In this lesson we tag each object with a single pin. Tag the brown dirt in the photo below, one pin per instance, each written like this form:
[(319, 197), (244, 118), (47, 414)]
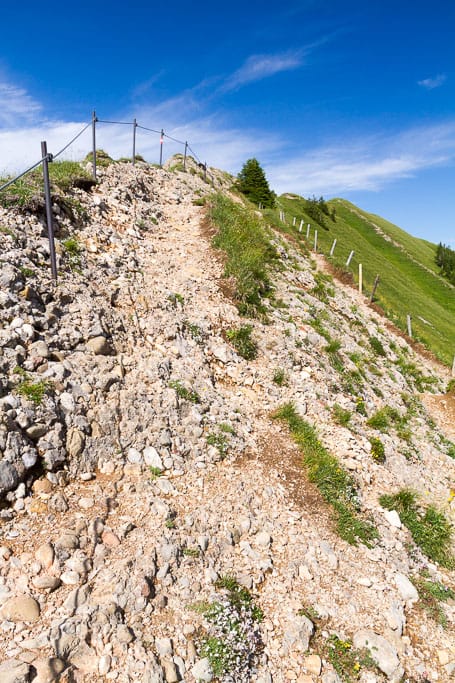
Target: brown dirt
[(442, 410)]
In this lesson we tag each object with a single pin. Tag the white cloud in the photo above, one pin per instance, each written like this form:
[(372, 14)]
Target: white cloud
[(431, 83), (258, 67), (16, 105), (365, 164)]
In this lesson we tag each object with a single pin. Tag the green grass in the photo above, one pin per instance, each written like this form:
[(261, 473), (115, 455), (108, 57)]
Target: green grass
[(431, 595), (280, 377), (409, 282), (336, 485), (30, 189), (184, 393), (241, 234), (430, 529), (341, 416), (347, 660), (377, 450), (242, 342), (33, 391)]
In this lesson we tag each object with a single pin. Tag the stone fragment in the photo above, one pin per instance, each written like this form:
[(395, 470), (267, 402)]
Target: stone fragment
[(202, 670), (48, 669), (263, 539), (9, 477), (110, 539), (383, 653), (170, 672), (393, 518), (75, 442), (406, 589), (46, 582), (42, 486), (124, 634), (14, 671), (152, 458), (313, 664), (21, 608), (99, 346)]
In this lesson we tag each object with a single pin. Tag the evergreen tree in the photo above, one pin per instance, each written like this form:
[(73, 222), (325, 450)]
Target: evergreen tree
[(253, 184)]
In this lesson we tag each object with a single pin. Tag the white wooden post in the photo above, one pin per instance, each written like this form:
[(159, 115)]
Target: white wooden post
[(308, 231), (333, 246), (360, 278), (315, 240), (409, 324), (301, 225), (349, 258)]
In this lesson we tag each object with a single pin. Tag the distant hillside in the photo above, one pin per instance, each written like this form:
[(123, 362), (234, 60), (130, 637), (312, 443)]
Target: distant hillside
[(409, 280)]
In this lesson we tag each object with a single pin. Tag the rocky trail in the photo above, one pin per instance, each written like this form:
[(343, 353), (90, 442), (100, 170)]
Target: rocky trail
[(150, 472)]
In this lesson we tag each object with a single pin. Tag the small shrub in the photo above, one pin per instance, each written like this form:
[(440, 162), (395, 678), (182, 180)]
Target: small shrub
[(184, 393), (347, 660), (219, 441), (383, 419), (176, 299), (431, 594), (232, 639), (200, 201), (73, 251), (377, 450), (194, 331), (155, 472), (429, 528), (451, 387), (280, 377), (377, 346), (33, 391), (333, 346), (340, 415), (240, 339), (27, 272), (191, 552)]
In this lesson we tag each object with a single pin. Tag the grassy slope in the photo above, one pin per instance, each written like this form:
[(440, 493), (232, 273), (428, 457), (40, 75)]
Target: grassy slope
[(406, 285)]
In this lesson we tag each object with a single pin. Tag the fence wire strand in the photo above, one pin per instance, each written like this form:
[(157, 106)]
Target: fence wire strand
[(173, 139), (10, 182), (120, 123), (73, 140), (150, 130)]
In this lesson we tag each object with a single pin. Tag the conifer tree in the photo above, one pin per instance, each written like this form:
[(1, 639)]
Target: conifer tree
[(253, 184)]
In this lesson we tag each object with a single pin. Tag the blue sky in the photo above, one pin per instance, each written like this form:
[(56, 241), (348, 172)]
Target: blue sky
[(348, 99)]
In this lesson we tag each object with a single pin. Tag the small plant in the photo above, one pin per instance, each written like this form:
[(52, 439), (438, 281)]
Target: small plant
[(194, 330), (27, 272), (73, 251), (429, 528), (199, 201), (191, 552), (33, 391), (360, 406), (184, 393), (377, 346), (226, 428), (7, 231), (383, 418), (219, 441), (451, 387), (431, 594), (176, 299), (155, 472), (170, 523), (280, 377), (333, 346), (240, 339), (232, 640), (337, 487), (309, 612), (347, 660), (377, 450), (340, 415)]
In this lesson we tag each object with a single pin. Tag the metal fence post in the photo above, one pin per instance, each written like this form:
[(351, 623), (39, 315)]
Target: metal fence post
[(161, 146), (184, 156), (94, 120), (134, 141), (375, 286), (47, 195), (205, 170)]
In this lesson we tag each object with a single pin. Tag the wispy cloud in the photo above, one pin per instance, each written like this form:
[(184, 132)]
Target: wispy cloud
[(258, 67), (431, 83), (16, 105), (365, 164)]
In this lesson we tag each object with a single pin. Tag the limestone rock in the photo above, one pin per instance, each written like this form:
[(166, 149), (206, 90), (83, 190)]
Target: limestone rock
[(21, 608)]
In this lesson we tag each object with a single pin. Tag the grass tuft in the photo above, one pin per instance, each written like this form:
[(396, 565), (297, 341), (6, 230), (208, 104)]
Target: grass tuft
[(249, 254), (337, 487), (430, 529)]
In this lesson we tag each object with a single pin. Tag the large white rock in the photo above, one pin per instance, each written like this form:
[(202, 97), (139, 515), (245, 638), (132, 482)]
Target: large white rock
[(406, 589), (383, 653)]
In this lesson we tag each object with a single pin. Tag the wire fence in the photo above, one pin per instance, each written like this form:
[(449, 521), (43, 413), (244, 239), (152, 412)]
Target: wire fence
[(47, 157)]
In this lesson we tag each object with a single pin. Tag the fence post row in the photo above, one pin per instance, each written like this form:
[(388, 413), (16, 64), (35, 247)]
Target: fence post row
[(47, 196), (94, 120)]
